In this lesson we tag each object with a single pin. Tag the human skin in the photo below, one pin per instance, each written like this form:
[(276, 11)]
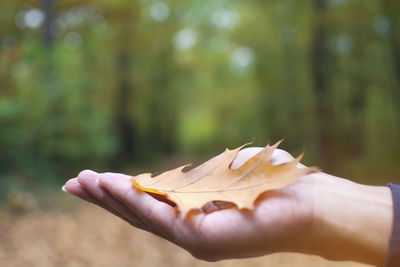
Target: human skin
[(321, 214)]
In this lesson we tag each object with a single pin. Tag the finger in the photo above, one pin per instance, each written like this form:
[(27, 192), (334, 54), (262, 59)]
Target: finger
[(279, 156), (158, 215), (88, 180), (244, 155), (73, 187)]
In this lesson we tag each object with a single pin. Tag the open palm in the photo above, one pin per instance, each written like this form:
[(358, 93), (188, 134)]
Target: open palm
[(280, 221)]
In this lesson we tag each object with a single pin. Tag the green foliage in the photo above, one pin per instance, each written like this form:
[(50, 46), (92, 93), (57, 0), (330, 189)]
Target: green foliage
[(111, 84)]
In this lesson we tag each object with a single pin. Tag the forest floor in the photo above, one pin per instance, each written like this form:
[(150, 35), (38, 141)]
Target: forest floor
[(85, 235)]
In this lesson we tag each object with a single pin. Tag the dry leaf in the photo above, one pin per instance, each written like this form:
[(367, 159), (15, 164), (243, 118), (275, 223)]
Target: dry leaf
[(215, 181)]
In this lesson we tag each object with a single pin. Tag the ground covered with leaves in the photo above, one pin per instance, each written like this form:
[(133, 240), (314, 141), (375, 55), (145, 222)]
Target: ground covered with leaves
[(88, 236)]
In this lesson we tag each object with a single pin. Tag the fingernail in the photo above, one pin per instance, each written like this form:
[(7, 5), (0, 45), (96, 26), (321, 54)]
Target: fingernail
[(63, 189), (97, 181)]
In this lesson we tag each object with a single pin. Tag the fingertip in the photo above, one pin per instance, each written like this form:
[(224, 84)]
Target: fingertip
[(73, 187), (85, 176), (72, 180), (70, 183)]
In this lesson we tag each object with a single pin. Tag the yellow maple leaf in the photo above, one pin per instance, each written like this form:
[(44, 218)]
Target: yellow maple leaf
[(215, 181)]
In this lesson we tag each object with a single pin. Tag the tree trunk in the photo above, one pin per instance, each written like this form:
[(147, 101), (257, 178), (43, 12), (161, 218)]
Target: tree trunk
[(163, 113), (391, 9), (124, 125), (320, 61), (47, 6)]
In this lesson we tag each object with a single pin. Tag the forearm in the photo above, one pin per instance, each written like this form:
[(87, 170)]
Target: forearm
[(351, 221)]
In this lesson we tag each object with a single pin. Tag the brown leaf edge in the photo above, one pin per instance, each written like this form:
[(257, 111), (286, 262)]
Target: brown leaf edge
[(161, 196)]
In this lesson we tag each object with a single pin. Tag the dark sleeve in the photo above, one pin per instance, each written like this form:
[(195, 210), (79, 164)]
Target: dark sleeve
[(393, 257)]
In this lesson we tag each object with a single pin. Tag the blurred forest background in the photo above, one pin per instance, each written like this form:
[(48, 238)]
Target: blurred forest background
[(125, 85), (145, 85)]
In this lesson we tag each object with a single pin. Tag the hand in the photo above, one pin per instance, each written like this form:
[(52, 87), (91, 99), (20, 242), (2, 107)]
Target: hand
[(280, 217), (305, 217)]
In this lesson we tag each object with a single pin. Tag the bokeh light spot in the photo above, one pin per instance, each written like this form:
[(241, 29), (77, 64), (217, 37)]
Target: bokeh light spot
[(72, 40), (185, 39), (242, 56), (159, 11)]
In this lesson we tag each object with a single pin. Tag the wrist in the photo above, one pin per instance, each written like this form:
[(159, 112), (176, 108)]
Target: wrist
[(350, 221)]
